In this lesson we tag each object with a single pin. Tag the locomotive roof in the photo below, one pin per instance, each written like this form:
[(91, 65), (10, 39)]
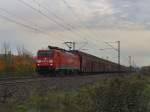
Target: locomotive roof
[(57, 48), (52, 48)]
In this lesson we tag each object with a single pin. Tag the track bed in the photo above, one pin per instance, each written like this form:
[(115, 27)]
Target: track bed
[(23, 88)]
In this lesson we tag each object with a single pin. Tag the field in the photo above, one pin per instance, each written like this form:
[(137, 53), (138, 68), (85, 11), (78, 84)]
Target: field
[(112, 94), (16, 66)]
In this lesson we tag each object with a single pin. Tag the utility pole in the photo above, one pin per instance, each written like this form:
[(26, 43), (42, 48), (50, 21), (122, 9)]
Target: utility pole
[(118, 55), (116, 49), (130, 62), (74, 45), (70, 45)]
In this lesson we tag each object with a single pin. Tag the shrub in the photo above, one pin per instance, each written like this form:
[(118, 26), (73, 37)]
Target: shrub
[(110, 95), (23, 65), (17, 66), (2, 65), (115, 95)]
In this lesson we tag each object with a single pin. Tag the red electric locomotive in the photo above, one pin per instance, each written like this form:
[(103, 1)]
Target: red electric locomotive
[(57, 60)]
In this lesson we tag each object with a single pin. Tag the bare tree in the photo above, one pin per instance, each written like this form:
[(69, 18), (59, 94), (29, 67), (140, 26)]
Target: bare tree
[(7, 56), (6, 48), (23, 52)]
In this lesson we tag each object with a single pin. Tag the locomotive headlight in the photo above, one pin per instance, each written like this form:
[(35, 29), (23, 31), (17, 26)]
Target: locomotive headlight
[(51, 64), (39, 61)]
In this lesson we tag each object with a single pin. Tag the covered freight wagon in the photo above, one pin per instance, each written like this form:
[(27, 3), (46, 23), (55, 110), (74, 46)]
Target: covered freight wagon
[(90, 63)]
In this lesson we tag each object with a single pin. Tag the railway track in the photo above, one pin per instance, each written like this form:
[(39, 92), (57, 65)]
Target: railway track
[(56, 79), (37, 78), (21, 88), (13, 81), (11, 77)]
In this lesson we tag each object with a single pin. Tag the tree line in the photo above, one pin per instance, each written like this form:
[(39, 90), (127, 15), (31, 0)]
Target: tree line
[(20, 64)]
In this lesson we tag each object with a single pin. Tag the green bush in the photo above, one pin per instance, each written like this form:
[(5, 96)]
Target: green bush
[(115, 95), (118, 94)]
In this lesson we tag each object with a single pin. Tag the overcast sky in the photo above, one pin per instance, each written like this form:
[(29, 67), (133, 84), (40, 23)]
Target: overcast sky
[(36, 24)]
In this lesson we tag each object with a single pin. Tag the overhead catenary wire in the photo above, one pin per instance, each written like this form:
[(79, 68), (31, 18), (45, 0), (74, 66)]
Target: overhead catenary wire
[(77, 16), (57, 17), (50, 19), (22, 19), (84, 25), (43, 14), (34, 27), (31, 27), (24, 25), (53, 14), (19, 23), (61, 19), (14, 15)]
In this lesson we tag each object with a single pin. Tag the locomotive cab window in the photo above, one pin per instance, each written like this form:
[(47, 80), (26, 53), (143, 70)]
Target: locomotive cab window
[(44, 53)]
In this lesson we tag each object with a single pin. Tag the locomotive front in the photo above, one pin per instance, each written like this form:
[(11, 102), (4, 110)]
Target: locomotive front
[(45, 60)]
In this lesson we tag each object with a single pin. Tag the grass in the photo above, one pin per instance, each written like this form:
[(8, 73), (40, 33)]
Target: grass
[(117, 94)]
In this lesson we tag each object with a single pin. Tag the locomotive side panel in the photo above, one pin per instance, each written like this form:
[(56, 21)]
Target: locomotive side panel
[(67, 61)]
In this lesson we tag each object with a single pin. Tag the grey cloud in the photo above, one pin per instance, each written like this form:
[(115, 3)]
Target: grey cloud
[(134, 11), (125, 14), (102, 17)]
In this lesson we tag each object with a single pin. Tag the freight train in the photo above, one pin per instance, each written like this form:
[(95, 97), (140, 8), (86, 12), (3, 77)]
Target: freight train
[(59, 60)]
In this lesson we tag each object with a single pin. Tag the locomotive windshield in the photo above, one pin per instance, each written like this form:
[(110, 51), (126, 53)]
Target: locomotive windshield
[(44, 53)]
